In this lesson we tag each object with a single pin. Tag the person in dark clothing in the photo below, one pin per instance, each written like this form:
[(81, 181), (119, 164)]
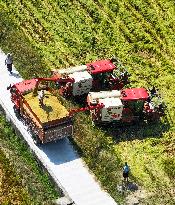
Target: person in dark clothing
[(126, 170), (153, 91), (9, 62)]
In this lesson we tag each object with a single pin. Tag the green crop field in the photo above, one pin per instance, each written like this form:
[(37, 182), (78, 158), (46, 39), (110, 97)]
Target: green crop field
[(22, 181), (49, 34)]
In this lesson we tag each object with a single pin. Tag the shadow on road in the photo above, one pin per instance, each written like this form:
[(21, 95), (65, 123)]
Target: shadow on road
[(16, 75), (59, 152)]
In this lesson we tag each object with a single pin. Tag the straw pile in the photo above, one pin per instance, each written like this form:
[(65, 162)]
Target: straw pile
[(51, 110)]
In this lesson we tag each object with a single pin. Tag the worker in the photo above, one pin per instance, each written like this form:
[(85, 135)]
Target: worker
[(153, 91), (9, 62), (41, 96), (126, 170)]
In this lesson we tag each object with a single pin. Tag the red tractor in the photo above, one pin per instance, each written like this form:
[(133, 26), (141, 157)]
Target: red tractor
[(127, 105), (96, 76)]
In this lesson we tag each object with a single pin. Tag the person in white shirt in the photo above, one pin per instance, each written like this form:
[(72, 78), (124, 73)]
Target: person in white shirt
[(9, 62), (41, 98)]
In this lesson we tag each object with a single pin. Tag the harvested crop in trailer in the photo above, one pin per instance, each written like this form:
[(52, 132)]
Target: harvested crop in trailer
[(51, 110)]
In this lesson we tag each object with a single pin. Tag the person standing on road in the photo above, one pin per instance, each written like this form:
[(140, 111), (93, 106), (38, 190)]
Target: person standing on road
[(126, 170), (9, 62)]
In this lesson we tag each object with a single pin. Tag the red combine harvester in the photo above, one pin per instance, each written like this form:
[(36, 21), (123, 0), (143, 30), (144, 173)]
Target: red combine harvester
[(127, 105), (96, 76)]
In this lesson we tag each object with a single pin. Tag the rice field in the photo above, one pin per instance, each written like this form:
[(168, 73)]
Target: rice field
[(48, 34)]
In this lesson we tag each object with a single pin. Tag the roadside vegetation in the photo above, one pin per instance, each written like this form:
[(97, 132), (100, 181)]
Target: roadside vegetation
[(45, 34), (22, 180)]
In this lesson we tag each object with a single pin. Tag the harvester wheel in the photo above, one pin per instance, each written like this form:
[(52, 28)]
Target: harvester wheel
[(127, 115), (153, 118)]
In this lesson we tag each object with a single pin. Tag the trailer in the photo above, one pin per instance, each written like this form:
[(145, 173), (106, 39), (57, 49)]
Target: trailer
[(48, 123)]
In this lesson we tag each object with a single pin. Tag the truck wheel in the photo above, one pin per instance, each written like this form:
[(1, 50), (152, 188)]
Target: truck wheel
[(16, 111), (37, 140)]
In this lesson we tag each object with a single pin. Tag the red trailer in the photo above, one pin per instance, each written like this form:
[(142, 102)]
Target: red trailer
[(48, 123)]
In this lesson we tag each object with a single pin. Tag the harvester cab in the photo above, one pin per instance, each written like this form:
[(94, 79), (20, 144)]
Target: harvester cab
[(107, 75), (142, 104)]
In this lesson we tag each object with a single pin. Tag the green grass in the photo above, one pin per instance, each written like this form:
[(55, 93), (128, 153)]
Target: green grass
[(43, 35), (10, 189), (23, 180)]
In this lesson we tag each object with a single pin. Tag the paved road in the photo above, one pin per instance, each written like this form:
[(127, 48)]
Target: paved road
[(60, 158)]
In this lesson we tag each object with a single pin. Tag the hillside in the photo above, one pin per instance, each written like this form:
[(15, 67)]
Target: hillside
[(43, 35)]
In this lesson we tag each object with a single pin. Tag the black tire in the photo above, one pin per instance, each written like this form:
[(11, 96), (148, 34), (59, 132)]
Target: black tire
[(16, 111), (37, 140)]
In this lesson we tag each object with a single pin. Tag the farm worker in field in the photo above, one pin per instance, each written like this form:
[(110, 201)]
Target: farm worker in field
[(126, 170), (9, 62), (41, 98)]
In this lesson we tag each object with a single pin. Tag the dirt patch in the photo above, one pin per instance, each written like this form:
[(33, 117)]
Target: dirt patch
[(136, 197)]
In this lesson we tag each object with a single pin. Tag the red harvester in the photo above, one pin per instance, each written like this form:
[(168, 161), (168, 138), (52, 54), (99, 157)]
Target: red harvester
[(96, 76), (127, 105)]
